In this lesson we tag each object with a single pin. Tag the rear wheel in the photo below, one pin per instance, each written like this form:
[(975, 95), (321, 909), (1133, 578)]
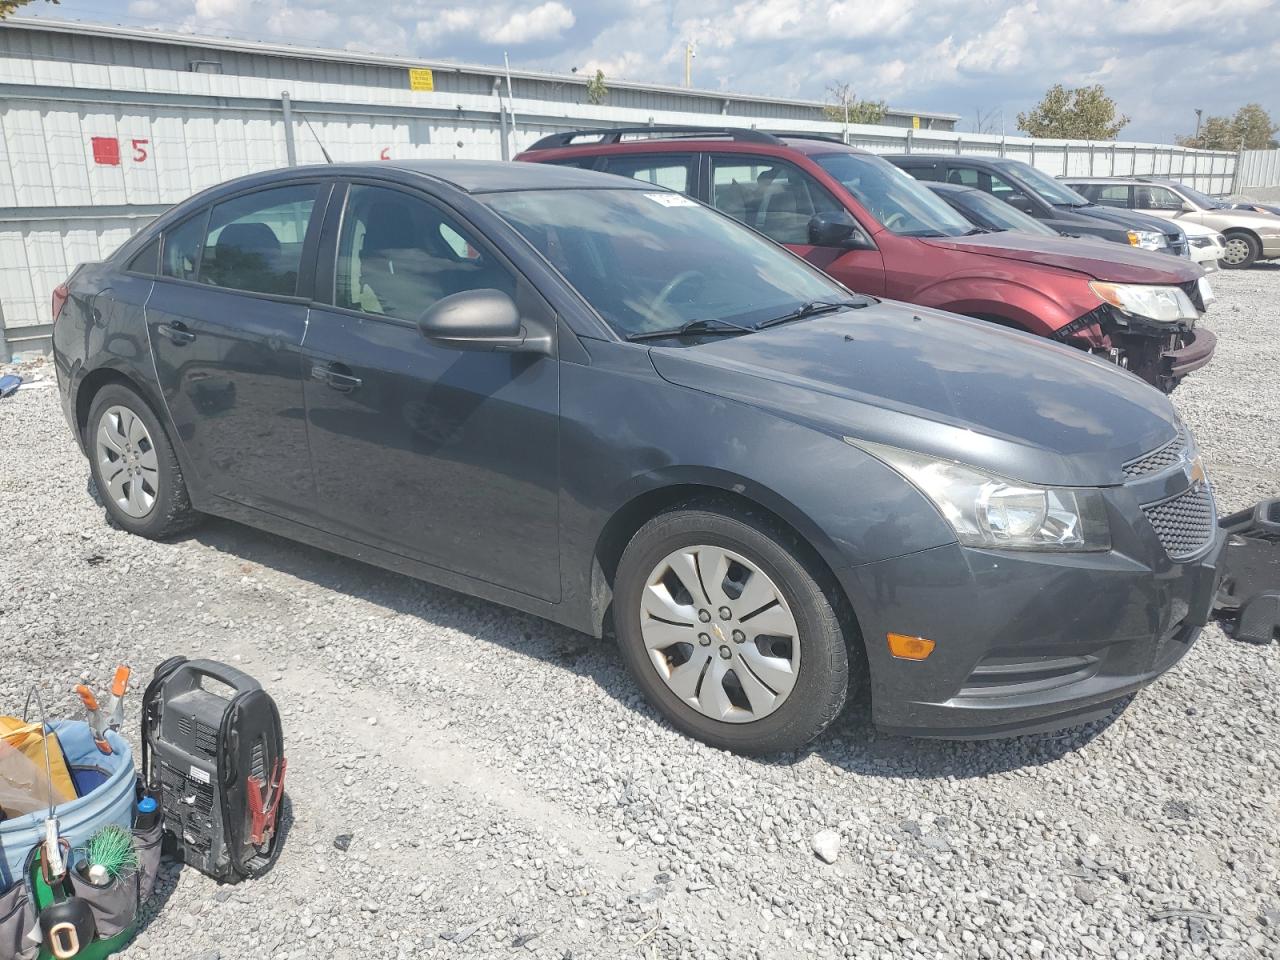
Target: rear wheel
[(727, 629), (1242, 250), (134, 466)]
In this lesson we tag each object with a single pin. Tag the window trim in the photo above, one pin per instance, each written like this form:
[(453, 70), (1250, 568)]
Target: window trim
[(310, 243), (326, 274)]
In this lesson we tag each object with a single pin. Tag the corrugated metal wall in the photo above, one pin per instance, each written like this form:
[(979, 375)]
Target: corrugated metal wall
[(98, 135), (1259, 168)]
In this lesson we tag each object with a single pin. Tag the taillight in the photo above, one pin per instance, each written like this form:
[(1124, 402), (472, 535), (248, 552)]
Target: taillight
[(60, 294)]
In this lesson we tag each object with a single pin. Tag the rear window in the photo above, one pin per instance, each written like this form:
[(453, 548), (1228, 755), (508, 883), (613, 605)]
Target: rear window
[(254, 242)]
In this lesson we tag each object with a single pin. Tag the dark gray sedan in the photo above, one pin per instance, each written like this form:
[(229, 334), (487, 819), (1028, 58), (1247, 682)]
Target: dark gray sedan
[(605, 404)]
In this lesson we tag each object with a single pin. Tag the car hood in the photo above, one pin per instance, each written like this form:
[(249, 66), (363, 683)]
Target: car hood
[(1244, 218), (1099, 259), (1017, 405), (1129, 219)]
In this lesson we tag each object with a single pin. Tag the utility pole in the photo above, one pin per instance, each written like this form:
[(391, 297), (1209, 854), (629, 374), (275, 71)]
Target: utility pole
[(688, 63), (511, 99)]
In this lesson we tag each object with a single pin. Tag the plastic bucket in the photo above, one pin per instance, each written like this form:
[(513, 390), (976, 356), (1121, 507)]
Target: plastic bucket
[(105, 783)]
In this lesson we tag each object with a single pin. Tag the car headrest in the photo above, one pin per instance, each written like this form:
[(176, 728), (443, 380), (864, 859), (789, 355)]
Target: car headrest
[(389, 227), (238, 238)]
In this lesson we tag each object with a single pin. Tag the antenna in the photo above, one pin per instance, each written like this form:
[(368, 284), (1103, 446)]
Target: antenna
[(319, 143)]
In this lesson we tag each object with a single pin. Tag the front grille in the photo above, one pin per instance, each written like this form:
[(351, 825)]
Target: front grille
[(1159, 459), (1184, 523), (1201, 241)]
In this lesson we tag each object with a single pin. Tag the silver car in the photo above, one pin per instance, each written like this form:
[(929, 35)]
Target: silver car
[(1250, 236)]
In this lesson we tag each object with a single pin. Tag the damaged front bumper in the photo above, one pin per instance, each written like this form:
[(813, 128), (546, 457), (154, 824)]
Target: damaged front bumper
[(1159, 353), (1248, 598)]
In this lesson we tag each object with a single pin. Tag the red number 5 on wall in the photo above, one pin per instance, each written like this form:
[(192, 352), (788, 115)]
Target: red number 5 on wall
[(140, 150)]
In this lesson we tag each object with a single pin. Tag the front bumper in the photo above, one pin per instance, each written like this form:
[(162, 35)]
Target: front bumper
[(1192, 355), (1027, 642)]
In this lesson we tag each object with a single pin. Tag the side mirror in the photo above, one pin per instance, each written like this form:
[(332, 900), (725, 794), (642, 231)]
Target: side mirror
[(1188, 206), (837, 228), (474, 320)]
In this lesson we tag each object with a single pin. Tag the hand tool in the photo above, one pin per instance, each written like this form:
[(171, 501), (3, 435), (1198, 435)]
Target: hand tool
[(96, 721), (115, 706)]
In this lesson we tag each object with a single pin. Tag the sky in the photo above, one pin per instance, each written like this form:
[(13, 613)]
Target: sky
[(1159, 59)]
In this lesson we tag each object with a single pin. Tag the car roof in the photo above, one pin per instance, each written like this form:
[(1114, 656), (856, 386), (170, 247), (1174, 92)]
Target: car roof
[(470, 176), (965, 158)]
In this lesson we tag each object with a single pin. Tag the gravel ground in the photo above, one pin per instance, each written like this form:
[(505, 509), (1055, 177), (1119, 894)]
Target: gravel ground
[(532, 804)]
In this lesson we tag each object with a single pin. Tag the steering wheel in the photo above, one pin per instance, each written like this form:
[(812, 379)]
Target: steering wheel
[(684, 276), (894, 219)]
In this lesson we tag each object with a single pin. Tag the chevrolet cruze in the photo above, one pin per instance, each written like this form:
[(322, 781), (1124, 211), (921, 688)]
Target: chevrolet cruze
[(601, 402)]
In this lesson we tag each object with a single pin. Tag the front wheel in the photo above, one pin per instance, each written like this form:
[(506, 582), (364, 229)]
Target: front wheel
[(724, 623), (1242, 250)]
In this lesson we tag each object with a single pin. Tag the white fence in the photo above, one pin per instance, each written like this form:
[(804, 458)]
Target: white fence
[(89, 153), (1258, 168)]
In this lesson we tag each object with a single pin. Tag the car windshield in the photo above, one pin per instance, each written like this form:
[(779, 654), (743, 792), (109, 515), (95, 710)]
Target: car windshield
[(993, 212), (1051, 190), (900, 202), (1200, 199), (650, 261)]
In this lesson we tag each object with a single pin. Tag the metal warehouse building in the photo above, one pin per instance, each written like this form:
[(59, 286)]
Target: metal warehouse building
[(102, 128)]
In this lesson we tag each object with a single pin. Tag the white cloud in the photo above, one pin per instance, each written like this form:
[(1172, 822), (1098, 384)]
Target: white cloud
[(541, 23)]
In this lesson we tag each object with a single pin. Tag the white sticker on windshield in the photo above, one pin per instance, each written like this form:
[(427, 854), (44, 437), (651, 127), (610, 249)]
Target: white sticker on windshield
[(671, 199)]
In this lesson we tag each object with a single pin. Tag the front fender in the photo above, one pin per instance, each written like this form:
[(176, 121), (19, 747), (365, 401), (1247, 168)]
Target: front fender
[(1003, 299)]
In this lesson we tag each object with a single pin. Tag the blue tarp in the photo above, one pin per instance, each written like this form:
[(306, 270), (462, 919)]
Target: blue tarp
[(106, 795)]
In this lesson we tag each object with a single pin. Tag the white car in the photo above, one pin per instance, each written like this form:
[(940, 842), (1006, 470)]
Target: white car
[(1205, 245)]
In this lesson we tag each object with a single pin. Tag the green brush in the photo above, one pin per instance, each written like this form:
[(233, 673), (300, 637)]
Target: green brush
[(112, 850)]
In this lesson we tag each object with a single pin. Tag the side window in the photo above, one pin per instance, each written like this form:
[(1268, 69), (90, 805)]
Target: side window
[(929, 172), (672, 172), (147, 260), (966, 177), (1158, 198), (582, 163), (1111, 195), (182, 247), (399, 254), (776, 198), (254, 242)]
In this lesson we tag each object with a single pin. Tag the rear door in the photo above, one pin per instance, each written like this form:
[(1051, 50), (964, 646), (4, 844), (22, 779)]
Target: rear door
[(779, 199), (225, 322), (446, 456)]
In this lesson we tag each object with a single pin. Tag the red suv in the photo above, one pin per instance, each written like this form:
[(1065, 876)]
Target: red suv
[(878, 231)]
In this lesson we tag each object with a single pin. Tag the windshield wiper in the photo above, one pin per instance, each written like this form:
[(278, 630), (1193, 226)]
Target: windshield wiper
[(977, 230), (701, 328), (811, 309)]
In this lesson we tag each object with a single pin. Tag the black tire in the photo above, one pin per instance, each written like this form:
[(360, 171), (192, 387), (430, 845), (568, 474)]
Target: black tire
[(171, 513), (822, 681), (1252, 245)]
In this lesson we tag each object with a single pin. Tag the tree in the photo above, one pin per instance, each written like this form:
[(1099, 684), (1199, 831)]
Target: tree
[(845, 107), (1082, 113), (597, 92), (10, 7), (988, 121), (1250, 129)]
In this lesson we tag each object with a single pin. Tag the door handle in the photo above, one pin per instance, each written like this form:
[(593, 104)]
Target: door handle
[(177, 332), (336, 375)]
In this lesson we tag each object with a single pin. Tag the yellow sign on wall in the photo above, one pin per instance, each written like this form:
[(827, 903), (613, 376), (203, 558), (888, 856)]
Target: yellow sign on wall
[(421, 78), (915, 123)]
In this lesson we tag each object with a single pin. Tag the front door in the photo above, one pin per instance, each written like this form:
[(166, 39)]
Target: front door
[(443, 455), (226, 322), (779, 199)]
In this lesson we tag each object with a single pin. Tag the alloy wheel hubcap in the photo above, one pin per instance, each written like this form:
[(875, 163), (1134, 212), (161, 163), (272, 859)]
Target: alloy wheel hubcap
[(1236, 251), (127, 461), (720, 634)]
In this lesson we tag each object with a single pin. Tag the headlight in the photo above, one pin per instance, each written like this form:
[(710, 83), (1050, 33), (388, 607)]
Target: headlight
[(1165, 304), (990, 511), (1147, 239)]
